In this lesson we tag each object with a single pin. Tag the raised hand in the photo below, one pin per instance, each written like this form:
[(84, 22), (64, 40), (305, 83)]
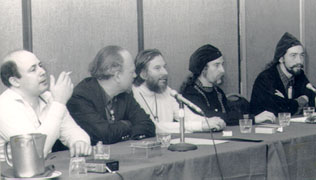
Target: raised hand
[(61, 89)]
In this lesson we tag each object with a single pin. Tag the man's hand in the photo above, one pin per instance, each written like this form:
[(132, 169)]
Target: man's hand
[(265, 116), (80, 148), (215, 123), (278, 93), (62, 89)]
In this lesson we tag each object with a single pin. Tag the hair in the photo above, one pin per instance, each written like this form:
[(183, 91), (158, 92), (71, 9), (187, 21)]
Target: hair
[(108, 61), (9, 69), (286, 42), (276, 61), (190, 80), (141, 63)]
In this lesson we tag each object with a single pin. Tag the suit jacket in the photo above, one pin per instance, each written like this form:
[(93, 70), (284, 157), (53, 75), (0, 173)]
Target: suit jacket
[(87, 106)]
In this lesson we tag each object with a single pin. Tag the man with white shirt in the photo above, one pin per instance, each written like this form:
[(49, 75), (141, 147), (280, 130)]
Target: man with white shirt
[(27, 106), (151, 91)]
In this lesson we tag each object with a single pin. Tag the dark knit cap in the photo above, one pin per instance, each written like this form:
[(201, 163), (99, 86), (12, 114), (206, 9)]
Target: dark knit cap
[(287, 41), (202, 56)]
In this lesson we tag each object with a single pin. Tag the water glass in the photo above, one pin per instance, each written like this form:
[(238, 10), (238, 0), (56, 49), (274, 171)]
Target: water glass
[(245, 125), (101, 151), (284, 119), (164, 138), (77, 167), (308, 111)]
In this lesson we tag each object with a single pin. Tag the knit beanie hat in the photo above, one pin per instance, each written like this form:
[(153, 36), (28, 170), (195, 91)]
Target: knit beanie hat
[(202, 56), (287, 41)]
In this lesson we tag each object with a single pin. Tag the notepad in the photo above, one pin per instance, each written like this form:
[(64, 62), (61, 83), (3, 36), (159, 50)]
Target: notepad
[(198, 141), (298, 119), (265, 130)]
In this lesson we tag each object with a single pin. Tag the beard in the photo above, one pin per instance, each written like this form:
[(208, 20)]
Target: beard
[(296, 72), (155, 86)]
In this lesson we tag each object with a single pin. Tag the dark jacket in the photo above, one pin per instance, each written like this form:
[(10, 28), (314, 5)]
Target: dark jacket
[(263, 93), (87, 107), (214, 107)]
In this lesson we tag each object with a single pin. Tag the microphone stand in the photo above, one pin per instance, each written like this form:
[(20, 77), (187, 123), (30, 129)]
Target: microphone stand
[(182, 146)]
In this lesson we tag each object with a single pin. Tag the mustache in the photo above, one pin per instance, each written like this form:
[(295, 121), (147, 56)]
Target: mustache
[(301, 66), (164, 77)]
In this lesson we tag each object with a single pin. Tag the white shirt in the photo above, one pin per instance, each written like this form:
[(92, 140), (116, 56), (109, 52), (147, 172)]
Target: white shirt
[(18, 117), (167, 111)]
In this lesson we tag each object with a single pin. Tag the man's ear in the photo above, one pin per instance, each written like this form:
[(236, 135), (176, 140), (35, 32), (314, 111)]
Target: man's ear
[(14, 81), (143, 75), (117, 76), (281, 60)]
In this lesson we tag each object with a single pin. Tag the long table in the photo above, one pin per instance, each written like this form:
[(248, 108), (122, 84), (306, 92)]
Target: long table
[(287, 155)]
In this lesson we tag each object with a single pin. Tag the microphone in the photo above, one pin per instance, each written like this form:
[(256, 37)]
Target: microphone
[(180, 98), (311, 87)]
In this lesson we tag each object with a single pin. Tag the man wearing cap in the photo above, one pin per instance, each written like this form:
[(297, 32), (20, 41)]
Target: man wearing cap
[(103, 104), (282, 86), (151, 91), (206, 65)]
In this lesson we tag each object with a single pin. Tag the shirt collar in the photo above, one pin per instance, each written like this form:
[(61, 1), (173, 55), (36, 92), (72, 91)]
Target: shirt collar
[(204, 88), (16, 96), (285, 80)]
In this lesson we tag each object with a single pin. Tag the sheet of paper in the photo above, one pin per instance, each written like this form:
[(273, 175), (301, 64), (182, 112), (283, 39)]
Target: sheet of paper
[(197, 141), (298, 119)]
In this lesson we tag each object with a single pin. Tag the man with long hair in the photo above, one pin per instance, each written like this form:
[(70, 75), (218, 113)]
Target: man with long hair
[(282, 86), (202, 87)]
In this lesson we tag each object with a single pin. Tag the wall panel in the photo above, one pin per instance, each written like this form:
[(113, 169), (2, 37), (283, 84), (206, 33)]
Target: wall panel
[(10, 28), (67, 34), (310, 39), (179, 27), (266, 21)]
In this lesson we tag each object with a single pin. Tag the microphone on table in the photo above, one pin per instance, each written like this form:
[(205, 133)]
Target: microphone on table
[(311, 87), (182, 146), (180, 98)]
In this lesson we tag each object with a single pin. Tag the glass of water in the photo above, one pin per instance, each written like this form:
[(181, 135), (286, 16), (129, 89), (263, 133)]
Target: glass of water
[(308, 111), (245, 125), (77, 167), (164, 138), (284, 119)]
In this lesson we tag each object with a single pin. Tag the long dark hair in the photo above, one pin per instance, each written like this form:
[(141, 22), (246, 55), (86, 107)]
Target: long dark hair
[(190, 80)]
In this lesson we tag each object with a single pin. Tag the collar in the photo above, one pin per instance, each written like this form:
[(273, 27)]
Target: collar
[(204, 88), (44, 97), (285, 80), (106, 98)]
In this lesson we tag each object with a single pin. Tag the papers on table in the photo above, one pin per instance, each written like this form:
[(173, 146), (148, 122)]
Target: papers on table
[(197, 141), (298, 119)]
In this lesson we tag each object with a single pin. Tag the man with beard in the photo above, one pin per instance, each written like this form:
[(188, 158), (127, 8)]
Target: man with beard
[(103, 104), (33, 104), (206, 65), (151, 91), (282, 87)]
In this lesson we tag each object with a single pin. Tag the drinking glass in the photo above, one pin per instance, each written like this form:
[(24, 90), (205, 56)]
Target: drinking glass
[(308, 111), (164, 138), (245, 125), (284, 119), (77, 167)]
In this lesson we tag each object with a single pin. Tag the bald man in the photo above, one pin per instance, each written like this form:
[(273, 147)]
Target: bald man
[(31, 105)]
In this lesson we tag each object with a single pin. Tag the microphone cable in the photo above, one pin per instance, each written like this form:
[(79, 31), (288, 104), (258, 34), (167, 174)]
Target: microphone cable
[(113, 172), (216, 155)]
